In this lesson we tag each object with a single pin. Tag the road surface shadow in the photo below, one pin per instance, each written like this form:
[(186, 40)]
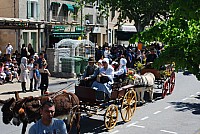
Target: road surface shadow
[(186, 106), (91, 125), (13, 92)]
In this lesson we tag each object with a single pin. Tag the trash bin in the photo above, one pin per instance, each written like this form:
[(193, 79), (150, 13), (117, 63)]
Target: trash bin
[(77, 65), (84, 63), (67, 65)]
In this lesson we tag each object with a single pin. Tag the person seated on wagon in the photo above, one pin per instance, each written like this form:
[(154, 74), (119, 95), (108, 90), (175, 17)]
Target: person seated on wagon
[(89, 70), (120, 73), (93, 77), (105, 78), (151, 57)]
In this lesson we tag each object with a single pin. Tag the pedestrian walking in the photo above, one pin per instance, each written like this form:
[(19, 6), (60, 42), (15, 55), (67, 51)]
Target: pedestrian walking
[(24, 73)]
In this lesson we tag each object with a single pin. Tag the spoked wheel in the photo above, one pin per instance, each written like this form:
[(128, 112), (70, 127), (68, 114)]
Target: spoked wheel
[(128, 106), (111, 115), (165, 88), (172, 82)]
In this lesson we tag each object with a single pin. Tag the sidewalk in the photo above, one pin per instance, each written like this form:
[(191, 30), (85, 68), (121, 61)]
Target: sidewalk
[(7, 90)]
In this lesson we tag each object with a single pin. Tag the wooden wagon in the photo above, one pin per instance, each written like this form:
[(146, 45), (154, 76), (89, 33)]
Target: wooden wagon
[(123, 99)]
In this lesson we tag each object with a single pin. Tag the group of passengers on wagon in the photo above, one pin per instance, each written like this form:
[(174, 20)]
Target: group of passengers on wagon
[(101, 77)]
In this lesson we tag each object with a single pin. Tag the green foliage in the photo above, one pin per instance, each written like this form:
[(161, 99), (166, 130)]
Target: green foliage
[(142, 12), (181, 36)]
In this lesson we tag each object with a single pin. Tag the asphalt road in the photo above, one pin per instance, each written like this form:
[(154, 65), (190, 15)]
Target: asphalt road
[(178, 113)]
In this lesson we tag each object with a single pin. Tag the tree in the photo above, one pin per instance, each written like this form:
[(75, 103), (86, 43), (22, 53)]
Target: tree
[(180, 34), (142, 12)]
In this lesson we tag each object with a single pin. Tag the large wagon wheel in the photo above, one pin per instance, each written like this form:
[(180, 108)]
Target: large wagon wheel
[(111, 115), (165, 88), (128, 106), (172, 82)]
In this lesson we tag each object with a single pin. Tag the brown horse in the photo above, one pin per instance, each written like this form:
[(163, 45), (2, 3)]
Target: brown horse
[(26, 110)]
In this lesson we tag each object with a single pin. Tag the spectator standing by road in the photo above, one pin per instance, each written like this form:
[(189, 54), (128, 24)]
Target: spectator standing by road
[(24, 73), (24, 51), (44, 72), (41, 58), (30, 50), (47, 124), (36, 76), (9, 50), (30, 68)]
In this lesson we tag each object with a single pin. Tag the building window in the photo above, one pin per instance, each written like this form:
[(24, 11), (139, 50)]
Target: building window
[(55, 11), (88, 19), (75, 15), (32, 9)]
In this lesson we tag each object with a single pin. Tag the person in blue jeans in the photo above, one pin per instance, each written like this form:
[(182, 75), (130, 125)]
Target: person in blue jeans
[(47, 124), (36, 76)]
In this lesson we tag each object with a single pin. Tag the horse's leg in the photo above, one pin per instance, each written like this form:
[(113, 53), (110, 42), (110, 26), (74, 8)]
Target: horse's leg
[(78, 119), (138, 95), (24, 127), (151, 93), (142, 94)]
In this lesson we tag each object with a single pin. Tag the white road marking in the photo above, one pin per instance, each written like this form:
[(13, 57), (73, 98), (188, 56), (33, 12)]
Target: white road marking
[(184, 99), (191, 95), (117, 131), (138, 126), (132, 124), (144, 118), (156, 112), (168, 132), (167, 107)]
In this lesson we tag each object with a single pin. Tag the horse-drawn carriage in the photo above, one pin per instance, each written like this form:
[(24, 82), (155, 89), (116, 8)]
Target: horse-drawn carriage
[(164, 78), (123, 98)]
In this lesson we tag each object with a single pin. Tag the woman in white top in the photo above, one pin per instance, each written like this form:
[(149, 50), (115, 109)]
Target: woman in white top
[(24, 73), (106, 71)]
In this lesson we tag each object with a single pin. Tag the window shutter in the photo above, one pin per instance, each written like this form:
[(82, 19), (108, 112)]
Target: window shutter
[(38, 11), (28, 9)]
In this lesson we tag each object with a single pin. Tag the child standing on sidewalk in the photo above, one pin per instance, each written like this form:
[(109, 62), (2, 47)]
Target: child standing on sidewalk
[(30, 68), (44, 77), (36, 76)]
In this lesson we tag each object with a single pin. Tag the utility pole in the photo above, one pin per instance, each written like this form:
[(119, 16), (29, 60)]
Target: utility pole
[(47, 18), (14, 9), (81, 19)]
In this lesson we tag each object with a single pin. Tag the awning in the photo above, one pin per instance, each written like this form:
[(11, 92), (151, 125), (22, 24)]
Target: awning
[(55, 3), (70, 7), (67, 35), (124, 36)]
